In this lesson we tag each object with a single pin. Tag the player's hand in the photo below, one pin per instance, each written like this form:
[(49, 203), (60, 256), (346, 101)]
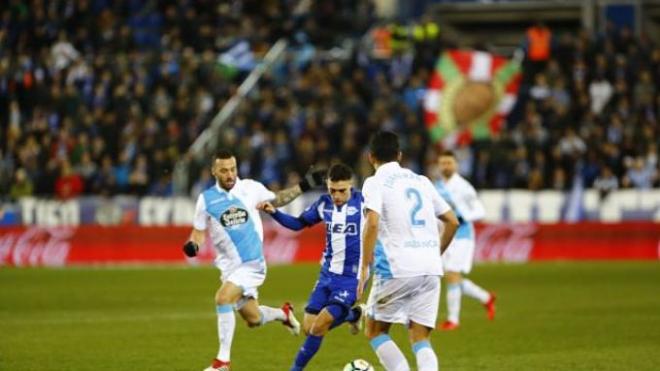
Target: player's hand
[(190, 248), (313, 179), (266, 207)]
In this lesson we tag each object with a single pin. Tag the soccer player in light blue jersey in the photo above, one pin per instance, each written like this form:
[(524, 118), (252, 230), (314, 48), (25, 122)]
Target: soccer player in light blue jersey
[(402, 240), (228, 211), (460, 194), (331, 301)]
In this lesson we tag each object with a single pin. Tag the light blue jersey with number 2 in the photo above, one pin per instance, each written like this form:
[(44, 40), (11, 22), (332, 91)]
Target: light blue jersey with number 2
[(408, 238)]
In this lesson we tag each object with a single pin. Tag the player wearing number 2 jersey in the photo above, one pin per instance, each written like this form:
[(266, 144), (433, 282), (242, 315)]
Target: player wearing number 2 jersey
[(401, 238)]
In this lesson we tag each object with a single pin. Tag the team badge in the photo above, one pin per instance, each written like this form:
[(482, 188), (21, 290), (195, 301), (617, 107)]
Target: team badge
[(234, 216)]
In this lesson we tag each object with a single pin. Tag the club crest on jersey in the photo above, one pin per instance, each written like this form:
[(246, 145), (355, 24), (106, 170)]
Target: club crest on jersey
[(351, 210), (233, 216), (350, 229)]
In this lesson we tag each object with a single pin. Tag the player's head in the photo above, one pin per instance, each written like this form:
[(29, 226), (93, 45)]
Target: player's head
[(384, 148), (224, 169), (339, 182), (448, 164)]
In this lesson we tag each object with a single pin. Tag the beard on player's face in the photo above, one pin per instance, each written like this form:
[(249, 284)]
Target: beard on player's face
[(225, 172), (447, 167), (227, 182)]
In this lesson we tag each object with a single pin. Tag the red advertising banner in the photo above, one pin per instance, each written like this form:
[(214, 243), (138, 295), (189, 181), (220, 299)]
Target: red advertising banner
[(59, 246)]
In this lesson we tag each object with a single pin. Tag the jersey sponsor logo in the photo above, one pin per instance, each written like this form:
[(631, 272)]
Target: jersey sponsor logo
[(351, 210), (421, 244), (234, 216), (350, 229)]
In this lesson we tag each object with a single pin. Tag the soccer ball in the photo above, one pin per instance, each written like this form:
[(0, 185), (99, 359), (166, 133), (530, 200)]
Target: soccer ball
[(358, 365)]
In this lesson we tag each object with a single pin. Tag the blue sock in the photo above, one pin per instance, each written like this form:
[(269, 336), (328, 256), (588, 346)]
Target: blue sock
[(351, 316), (307, 351), (339, 314)]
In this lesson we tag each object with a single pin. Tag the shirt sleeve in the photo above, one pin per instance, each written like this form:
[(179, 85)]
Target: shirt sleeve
[(200, 217), (373, 198), (440, 206), (311, 214), (288, 221), (261, 192), (469, 204)]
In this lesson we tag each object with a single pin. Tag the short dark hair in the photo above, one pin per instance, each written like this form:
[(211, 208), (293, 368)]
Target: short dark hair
[(223, 154), (447, 153), (338, 172), (385, 146)]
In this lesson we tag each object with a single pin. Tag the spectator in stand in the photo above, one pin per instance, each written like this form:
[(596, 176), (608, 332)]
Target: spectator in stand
[(538, 44), (600, 91), (69, 184), (22, 186), (606, 182), (640, 174)]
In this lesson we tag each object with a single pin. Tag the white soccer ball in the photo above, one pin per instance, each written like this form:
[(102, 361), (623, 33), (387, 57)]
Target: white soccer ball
[(359, 365)]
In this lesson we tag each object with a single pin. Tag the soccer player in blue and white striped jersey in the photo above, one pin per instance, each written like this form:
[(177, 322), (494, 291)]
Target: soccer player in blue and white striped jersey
[(331, 301)]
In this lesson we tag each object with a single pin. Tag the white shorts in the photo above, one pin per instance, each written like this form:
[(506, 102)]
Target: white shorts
[(406, 299), (248, 276), (458, 256)]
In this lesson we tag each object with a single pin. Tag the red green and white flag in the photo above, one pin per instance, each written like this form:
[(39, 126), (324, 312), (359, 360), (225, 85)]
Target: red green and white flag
[(469, 96)]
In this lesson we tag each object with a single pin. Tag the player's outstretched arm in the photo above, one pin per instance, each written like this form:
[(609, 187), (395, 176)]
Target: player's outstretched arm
[(451, 225), (284, 219), (287, 195), (313, 179)]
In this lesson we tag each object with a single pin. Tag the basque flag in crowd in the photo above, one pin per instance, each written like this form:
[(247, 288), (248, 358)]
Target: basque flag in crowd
[(469, 96)]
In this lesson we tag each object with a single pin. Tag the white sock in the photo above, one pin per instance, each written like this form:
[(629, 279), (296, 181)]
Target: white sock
[(426, 358), (269, 314), (389, 355), (453, 302), (470, 289), (226, 326)]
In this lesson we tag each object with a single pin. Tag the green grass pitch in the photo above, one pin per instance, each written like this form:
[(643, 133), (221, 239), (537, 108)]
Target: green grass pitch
[(552, 316)]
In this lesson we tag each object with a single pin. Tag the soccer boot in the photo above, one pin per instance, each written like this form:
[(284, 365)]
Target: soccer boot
[(218, 365), (490, 306), (290, 322), (448, 326), (355, 327)]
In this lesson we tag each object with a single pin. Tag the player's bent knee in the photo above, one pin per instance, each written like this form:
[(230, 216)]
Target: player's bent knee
[(371, 333), (222, 299), (320, 328)]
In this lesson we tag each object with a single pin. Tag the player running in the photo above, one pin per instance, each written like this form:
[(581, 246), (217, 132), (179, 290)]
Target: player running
[(228, 210), (335, 292), (460, 194), (401, 236)]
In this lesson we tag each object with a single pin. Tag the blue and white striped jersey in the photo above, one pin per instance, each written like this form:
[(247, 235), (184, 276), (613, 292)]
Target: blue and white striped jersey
[(343, 226)]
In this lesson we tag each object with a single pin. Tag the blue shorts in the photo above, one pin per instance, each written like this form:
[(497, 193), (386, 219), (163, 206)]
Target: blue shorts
[(332, 288)]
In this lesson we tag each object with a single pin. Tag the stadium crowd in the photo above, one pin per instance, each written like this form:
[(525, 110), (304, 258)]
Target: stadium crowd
[(102, 97)]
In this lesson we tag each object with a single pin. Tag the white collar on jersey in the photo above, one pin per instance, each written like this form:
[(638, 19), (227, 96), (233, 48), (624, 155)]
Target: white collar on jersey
[(387, 166)]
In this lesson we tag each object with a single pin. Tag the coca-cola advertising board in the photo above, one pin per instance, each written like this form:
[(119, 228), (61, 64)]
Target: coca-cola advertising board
[(131, 244)]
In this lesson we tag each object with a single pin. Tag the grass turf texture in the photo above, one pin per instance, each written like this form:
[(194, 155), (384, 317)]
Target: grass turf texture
[(555, 316)]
